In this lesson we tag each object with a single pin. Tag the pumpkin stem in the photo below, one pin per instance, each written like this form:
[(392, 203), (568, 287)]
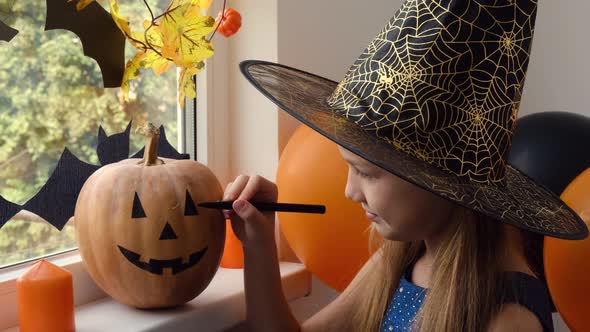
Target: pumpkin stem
[(150, 153)]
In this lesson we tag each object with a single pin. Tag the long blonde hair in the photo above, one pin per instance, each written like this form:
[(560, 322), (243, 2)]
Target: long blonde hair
[(465, 279)]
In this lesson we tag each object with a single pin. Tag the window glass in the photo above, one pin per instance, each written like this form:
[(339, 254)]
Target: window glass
[(51, 97)]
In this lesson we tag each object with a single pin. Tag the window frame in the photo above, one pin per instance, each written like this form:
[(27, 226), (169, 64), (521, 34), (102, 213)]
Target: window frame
[(212, 110)]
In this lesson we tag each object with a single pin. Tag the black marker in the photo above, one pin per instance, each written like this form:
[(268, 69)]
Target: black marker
[(262, 206)]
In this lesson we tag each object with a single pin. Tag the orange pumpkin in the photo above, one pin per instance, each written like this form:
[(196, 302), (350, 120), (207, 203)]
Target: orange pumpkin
[(231, 21), (140, 235)]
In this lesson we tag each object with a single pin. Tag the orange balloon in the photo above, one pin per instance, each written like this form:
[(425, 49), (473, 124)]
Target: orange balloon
[(567, 263), (233, 254), (332, 246)]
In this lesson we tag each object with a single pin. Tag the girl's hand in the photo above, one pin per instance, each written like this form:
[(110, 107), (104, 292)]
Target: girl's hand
[(252, 227)]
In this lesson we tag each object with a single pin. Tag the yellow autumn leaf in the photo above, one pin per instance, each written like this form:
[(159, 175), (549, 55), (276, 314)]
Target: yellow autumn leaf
[(182, 4), (205, 4), (184, 36), (155, 61), (154, 36), (178, 38), (121, 21), (186, 85), (132, 69)]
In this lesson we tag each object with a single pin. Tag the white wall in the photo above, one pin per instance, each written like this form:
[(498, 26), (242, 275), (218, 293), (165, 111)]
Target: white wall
[(253, 124), (559, 71), (326, 37)]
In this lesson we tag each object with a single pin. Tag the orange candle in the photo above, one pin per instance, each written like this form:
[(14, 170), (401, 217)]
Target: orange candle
[(45, 299), (233, 254)]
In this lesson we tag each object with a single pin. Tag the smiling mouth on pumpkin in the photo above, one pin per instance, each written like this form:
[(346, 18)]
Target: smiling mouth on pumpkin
[(157, 266)]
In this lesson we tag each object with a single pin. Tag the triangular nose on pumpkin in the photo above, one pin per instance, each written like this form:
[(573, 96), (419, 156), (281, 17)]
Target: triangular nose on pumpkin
[(168, 233)]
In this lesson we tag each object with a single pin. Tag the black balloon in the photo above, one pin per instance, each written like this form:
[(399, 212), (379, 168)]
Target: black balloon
[(551, 147)]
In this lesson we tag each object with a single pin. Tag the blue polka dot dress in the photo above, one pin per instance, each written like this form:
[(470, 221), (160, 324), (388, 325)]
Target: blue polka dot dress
[(517, 287), (402, 310)]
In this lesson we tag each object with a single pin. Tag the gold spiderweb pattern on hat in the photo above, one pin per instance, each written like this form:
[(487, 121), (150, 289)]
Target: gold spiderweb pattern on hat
[(518, 200), (443, 82)]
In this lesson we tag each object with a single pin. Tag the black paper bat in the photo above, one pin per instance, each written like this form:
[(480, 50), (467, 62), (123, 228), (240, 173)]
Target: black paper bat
[(7, 32), (56, 200), (101, 38)]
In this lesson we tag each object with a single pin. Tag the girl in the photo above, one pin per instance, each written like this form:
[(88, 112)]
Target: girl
[(424, 119), (426, 241)]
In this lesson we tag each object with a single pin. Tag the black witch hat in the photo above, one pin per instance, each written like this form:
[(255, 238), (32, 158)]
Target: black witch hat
[(433, 99)]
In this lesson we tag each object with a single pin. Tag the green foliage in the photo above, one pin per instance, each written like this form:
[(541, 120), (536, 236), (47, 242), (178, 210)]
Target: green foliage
[(18, 235), (51, 96)]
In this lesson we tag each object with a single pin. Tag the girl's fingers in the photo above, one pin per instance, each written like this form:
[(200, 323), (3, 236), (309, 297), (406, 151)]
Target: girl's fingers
[(232, 191), (247, 212), (235, 188), (260, 189), (226, 213), (249, 188), (226, 190)]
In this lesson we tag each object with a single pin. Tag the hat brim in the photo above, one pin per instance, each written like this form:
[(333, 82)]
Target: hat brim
[(518, 200)]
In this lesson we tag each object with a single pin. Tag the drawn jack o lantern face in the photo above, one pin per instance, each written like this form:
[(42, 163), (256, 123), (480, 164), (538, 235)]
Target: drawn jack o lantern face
[(157, 266), (141, 236)]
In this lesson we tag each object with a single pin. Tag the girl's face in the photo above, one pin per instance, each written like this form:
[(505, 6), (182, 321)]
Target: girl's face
[(400, 210)]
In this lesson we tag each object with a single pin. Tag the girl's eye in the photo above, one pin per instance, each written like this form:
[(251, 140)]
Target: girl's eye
[(363, 175)]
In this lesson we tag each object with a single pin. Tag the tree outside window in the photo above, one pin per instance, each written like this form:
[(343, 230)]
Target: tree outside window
[(51, 97)]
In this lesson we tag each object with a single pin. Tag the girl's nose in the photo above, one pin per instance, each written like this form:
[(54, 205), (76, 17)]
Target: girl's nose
[(352, 190)]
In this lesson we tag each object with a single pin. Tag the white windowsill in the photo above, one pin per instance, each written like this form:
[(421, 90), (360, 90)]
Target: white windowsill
[(220, 306)]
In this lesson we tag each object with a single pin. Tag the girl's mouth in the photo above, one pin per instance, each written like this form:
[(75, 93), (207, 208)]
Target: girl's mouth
[(371, 216)]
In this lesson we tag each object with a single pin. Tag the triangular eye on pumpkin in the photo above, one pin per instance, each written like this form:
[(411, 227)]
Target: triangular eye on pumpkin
[(190, 209), (137, 211)]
